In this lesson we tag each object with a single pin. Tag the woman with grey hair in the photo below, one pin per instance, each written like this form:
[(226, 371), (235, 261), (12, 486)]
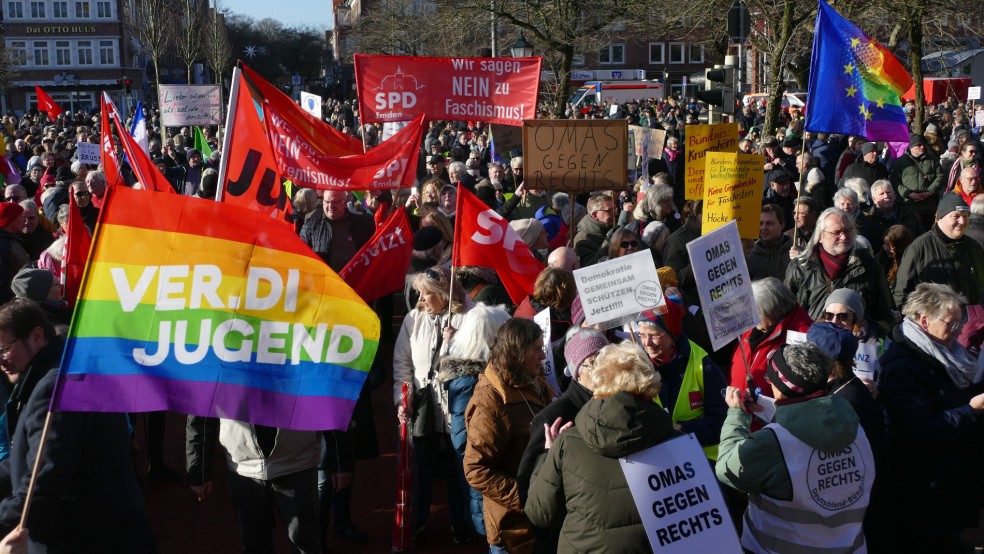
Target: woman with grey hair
[(656, 205), (861, 188), (847, 200), (933, 405), (830, 261), (778, 314), (306, 203)]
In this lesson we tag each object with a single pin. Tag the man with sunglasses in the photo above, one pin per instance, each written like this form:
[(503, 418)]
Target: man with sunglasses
[(971, 154)]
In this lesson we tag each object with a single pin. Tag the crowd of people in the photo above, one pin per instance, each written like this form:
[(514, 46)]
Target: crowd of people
[(861, 250)]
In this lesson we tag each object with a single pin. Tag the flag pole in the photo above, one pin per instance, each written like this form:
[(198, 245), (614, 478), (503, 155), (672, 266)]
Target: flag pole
[(34, 472), (227, 134)]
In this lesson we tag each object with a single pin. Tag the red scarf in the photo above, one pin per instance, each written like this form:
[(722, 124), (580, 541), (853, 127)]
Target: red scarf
[(833, 265)]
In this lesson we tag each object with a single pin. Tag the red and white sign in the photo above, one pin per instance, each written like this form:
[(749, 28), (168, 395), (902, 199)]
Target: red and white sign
[(390, 165), (494, 90)]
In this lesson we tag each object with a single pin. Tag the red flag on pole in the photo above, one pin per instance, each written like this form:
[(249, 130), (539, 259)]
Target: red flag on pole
[(108, 158), (46, 104), (148, 175), (77, 244), (484, 238), (380, 266)]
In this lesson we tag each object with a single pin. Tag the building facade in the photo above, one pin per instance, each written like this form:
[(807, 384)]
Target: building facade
[(73, 49)]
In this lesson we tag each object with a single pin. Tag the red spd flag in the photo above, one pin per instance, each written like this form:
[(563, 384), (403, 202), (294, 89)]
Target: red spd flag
[(247, 171), (77, 244), (107, 157), (380, 266), (148, 175), (324, 137), (47, 105), (494, 90), (484, 238), (390, 165)]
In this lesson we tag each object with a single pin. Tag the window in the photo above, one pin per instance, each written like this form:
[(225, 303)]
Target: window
[(615, 53), (104, 9), (37, 9), (656, 52), (41, 53), (696, 53), (15, 10), (63, 53), (59, 9), (676, 52), (82, 9), (85, 52), (107, 53), (18, 51)]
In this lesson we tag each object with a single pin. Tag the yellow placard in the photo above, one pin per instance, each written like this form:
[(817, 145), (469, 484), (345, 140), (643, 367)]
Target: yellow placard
[(701, 139), (733, 191)]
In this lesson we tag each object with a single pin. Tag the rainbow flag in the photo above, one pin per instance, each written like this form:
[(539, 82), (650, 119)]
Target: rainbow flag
[(855, 83), (211, 309)]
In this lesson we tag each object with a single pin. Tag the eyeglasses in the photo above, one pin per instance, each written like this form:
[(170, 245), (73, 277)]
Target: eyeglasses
[(841, 316), (952, 326), (628, 243), (841, 233), (5, 349)]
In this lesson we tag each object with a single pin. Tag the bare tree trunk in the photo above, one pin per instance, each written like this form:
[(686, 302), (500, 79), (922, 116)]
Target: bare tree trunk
[(915, 59), (564, 80)]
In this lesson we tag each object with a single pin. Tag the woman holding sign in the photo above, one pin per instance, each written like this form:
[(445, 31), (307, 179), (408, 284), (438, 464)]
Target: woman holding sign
[(580, 487)]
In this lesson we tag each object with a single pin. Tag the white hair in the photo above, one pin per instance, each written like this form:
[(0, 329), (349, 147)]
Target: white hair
[(472, 341)]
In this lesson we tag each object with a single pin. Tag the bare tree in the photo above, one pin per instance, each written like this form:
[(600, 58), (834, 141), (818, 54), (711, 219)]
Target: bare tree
[(218, 47), (192, 29), (153, 25)]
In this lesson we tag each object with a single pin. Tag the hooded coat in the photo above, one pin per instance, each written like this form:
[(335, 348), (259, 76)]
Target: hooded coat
[(580, 487)]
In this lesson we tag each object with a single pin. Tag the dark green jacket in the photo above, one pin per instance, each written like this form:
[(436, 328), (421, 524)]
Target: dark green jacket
[(580, 487), (921, 174)]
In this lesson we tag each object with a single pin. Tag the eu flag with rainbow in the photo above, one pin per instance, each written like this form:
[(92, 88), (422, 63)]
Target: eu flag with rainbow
[(210, 309), (855, 82)]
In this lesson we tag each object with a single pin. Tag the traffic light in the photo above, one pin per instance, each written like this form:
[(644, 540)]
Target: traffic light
[(127, 83), (119, 82), (718, 89)]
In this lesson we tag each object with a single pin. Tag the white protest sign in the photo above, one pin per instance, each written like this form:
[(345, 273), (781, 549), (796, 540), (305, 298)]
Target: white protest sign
[(311, 103), (679, 499), (979, 118), (549, 369), (391, 128), (973, 93), (866, 361), (795, 337), (723, 284), (614, 291), (87, 152), (190, 105)]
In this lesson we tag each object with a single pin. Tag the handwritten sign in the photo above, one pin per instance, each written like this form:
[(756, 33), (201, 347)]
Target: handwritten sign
[(507, 141), (549, 368), (723, 285), (190, 105), (575, 154), (701, 139), (649, 143), (733, 192), (88, 153), (678, 497), (620, 288)]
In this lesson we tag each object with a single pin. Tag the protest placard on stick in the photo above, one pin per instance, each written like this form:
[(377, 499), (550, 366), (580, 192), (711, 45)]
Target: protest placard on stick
[(701, 139), (615, 291), (733, 192), (575, 154)]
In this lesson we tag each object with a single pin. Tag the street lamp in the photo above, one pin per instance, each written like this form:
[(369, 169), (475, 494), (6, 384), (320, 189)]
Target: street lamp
[(521, 48)]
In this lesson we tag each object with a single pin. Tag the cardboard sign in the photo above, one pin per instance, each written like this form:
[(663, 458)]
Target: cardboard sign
[(649, 143), (679, 499), (575, 154), (723, 284), (190, 105), (87, 153), (311, 103), (866, 361), (507, 141), (701, 139), (614, 291), (549, 368), (733, 192)]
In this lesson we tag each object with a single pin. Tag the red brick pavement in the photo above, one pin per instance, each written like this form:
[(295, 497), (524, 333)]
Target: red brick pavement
[(183, 526)]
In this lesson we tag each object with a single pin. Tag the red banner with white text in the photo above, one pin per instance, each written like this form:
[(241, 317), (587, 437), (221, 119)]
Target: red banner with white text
[(484, 238), (392, 164), (108, 158), (380, 266), (494, 90)]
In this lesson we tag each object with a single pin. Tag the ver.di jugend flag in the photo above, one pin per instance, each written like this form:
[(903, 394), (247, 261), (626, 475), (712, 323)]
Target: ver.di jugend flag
[(214, 310), (855, 82)]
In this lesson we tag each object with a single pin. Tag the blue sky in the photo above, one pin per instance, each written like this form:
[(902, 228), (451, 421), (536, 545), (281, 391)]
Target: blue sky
[(289, 12)]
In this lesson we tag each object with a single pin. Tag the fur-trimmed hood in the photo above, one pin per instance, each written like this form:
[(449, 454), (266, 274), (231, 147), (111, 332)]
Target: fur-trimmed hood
[(452, 368)]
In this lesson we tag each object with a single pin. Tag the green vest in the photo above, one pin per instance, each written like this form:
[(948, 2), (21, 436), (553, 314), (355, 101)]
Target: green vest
[(693, 381)]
